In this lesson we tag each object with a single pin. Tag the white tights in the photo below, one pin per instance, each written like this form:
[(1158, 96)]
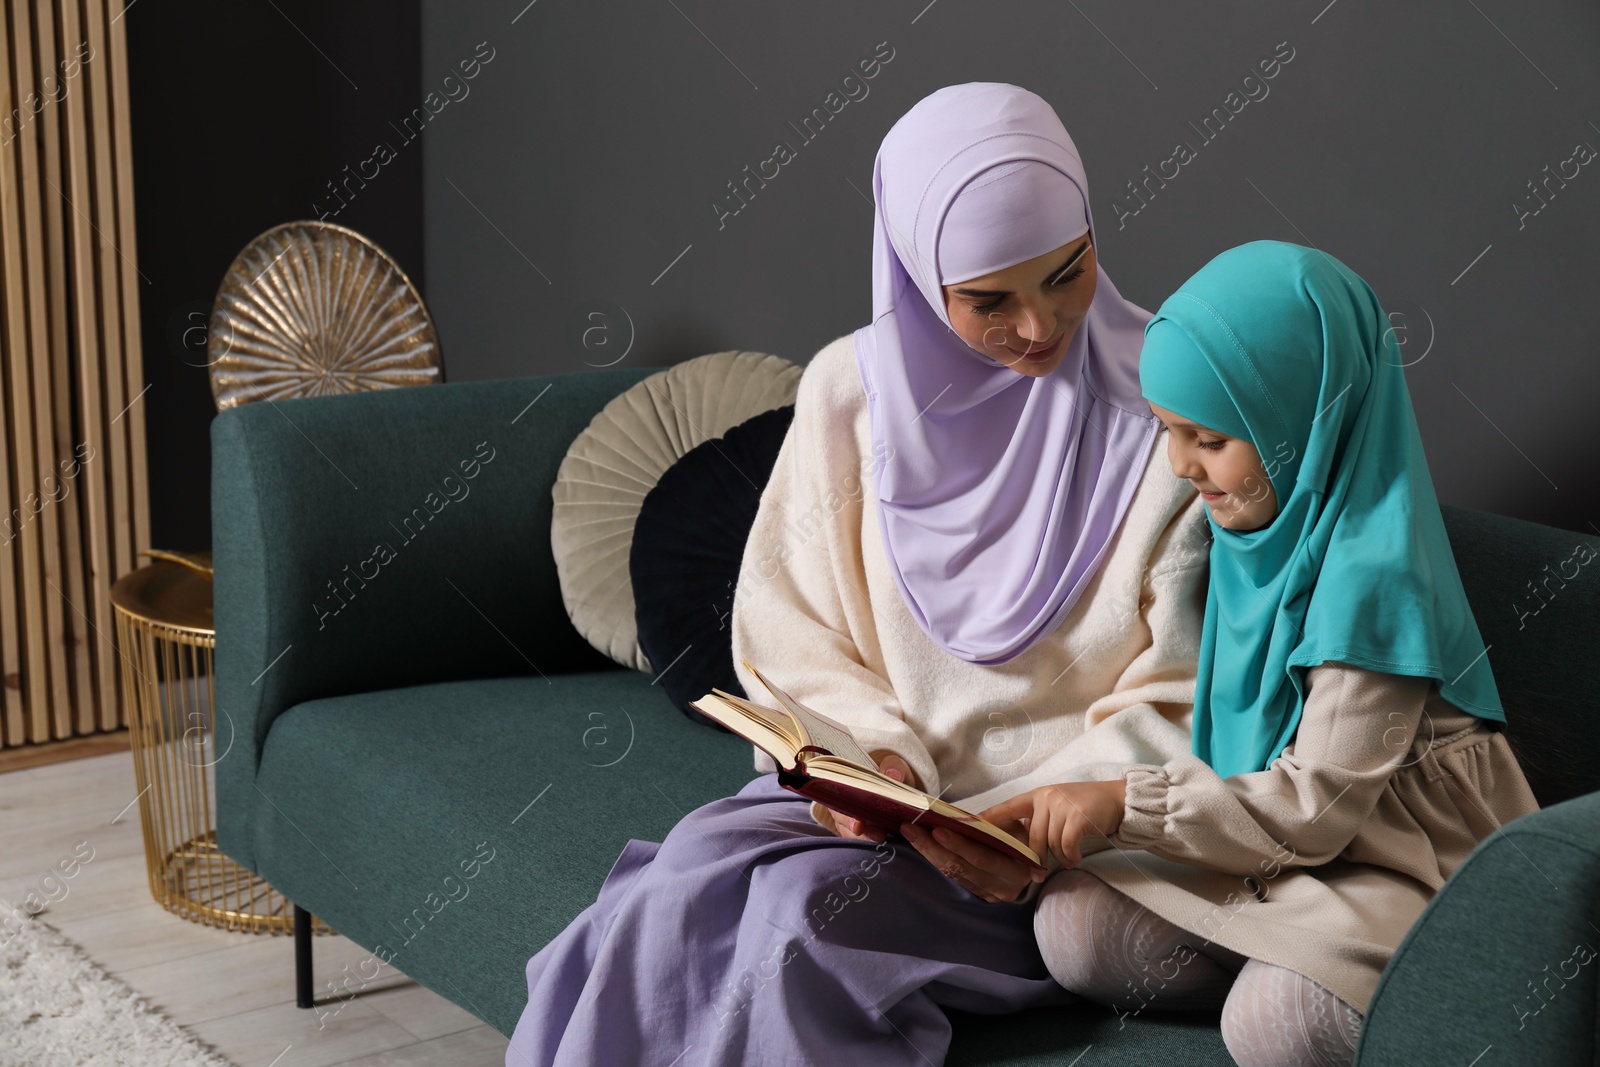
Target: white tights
[(1103, 946)]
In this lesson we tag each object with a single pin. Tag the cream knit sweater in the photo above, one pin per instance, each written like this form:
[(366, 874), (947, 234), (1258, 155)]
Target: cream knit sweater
[(817, 610)]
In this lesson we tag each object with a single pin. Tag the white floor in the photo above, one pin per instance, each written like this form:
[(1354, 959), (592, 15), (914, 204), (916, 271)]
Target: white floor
[(233, 991)]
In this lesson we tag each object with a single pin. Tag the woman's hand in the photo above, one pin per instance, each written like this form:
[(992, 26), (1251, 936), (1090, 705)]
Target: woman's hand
[(843, 825), (989, 873), (1058, 817), (986, 872)]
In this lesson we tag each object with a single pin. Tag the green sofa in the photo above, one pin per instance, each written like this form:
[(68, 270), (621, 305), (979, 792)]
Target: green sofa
[(425, 753)]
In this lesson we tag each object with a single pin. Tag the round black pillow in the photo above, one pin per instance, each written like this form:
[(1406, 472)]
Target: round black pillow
[(687, 544)]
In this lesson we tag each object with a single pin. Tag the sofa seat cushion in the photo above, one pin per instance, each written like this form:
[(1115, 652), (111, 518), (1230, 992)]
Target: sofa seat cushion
[(1088, 1034), (366, 803)]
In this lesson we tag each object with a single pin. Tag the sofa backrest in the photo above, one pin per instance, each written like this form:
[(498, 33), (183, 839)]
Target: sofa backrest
[(1535, 592), (375, 540)]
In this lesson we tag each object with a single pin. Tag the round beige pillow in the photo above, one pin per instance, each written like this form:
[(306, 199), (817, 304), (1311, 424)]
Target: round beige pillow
[(618, 459)]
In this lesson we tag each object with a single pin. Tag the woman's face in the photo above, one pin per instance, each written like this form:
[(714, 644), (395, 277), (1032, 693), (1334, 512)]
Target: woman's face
[(1025, 316)]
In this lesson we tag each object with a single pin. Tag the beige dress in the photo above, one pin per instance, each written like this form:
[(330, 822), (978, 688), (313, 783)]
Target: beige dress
[(1323, 861)]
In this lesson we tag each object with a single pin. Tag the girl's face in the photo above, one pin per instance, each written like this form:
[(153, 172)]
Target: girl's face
[(1025, 316), (1226, 470)]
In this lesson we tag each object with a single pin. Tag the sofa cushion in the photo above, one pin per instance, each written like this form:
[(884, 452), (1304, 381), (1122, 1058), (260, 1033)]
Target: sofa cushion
[(1063, 1037), (619, 457), (687, 545)]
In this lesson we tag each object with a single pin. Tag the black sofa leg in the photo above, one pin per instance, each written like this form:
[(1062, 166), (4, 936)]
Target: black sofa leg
[(302, 958)]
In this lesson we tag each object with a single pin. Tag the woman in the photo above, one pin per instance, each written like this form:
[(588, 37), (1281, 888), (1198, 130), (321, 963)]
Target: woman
[(970, 553), (1347, 745)]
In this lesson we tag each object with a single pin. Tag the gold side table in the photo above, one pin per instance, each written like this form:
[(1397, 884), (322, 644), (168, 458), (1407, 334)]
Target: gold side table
[(166, 636)]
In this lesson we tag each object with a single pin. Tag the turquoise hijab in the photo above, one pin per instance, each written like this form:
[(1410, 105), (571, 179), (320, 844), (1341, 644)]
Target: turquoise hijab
[(1288, 348)]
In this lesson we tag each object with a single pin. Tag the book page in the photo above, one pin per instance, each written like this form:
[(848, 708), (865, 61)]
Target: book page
[(771, 739), (775, 719), (821, 731), (963, 816)]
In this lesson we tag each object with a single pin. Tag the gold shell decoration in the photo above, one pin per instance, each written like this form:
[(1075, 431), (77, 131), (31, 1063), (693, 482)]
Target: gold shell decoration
[(312, 308)]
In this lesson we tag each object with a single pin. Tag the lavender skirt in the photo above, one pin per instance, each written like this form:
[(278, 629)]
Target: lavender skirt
[(753, 936)]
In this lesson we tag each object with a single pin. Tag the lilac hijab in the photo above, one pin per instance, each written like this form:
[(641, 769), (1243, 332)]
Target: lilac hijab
[(997, 493)]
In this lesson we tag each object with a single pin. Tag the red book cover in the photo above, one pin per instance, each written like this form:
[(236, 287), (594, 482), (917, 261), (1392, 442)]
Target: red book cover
[(887, 814)]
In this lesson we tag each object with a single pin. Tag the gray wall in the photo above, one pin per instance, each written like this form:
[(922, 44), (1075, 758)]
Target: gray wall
[(227, 145), (591, 151)]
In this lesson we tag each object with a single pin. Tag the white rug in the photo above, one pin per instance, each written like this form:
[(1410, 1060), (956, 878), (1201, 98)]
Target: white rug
[(58, 1008)]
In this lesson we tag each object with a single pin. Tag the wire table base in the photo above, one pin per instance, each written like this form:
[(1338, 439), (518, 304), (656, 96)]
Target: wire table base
[(166, 641)]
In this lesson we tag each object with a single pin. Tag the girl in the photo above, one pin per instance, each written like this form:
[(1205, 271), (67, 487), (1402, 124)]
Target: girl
[(1347, 745), (971, 553)]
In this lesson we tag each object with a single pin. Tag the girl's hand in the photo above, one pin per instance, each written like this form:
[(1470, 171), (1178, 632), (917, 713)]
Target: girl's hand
[(1058, 817), (843, 825)]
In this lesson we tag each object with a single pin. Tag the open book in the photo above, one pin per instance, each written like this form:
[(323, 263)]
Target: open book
[(820, 759)]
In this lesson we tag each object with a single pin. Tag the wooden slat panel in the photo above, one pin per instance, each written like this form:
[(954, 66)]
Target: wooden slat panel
[(132, 361), (61, 56), (10, 615), (110, 260), (72, 449), (101, 208), (35, 207), (12, 729), (87, 361), (24, 447)]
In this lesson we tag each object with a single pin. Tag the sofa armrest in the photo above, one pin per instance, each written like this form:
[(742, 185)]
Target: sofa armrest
[(381, 539), (1505, 956)]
